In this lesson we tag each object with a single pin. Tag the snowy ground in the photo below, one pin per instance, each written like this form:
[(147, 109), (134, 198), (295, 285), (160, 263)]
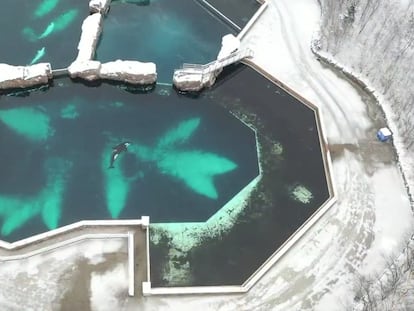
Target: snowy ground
[(369, 221)]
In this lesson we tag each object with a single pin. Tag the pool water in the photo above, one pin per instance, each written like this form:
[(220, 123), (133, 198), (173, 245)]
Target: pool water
[(40, 31), (168, 33), (187, 157), (293, 186), (238, 11)]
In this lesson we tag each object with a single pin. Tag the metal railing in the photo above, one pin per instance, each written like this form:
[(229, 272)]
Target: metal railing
[(203, 69), (216, 13)]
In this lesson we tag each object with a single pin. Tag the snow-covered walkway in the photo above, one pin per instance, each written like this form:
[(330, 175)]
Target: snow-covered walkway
[(369, 220)]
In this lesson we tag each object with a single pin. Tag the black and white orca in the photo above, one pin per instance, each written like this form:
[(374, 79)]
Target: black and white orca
[(116, 151)]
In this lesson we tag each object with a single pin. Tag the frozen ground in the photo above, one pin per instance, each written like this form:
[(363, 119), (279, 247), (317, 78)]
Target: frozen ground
[(369, 221)]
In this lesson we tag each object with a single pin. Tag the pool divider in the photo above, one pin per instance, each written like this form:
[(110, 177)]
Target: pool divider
[(87, 68), (131, 264), (252, 21)]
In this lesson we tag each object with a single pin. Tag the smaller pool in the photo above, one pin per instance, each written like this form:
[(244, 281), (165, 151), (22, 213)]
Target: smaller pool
[(41, 31), (166, 32)]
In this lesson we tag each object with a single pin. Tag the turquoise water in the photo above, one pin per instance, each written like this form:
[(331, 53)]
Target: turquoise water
[(40, 31), (187, 158)]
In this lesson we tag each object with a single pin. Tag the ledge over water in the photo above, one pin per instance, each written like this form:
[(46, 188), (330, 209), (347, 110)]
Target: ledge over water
[(14, 77)]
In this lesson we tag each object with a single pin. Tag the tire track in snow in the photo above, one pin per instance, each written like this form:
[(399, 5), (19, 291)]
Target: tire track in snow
[(346, 217), (316, 78)]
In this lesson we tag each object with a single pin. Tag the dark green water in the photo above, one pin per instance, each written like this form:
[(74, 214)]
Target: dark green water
[(238, 11), (48, 29), (188, 157), (168, 33), (292, 188)]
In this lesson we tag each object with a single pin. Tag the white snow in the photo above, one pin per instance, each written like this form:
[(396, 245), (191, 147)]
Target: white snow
[(377, 48), (88, 69), (85, 67), (91, 30), (129, 71), (39, 282), (392, 222), (107, 289), (100, 6), (229, 44), (134, 72), (24, 76)]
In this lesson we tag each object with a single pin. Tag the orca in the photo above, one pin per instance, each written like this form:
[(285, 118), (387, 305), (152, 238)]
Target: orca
[(117, 150)]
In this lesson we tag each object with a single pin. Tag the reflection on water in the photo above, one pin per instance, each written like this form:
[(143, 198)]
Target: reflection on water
[(196, 168), (45, 7), (17, 210), (32, 123), (181, 165)]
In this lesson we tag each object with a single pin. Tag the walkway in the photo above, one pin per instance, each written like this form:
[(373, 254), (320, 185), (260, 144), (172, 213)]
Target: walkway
[(214, 65)]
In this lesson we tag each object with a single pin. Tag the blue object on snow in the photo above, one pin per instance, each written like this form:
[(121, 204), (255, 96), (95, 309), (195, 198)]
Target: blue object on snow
[(384, 134)]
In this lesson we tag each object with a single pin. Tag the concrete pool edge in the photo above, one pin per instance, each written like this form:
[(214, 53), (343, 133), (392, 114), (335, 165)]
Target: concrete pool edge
[(74, 227)]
